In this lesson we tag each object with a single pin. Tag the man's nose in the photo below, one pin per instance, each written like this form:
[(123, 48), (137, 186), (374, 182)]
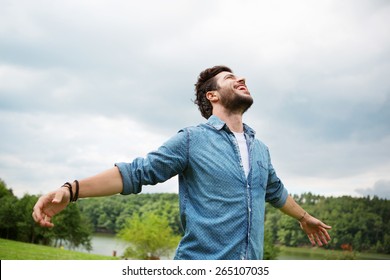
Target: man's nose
[(241, 80)]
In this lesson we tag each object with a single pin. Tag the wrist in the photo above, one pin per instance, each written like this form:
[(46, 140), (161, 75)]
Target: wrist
[(73, 190), (303, 216)]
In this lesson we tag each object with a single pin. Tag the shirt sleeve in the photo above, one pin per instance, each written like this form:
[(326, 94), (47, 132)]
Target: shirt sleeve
[(158, 166), (276, 193)]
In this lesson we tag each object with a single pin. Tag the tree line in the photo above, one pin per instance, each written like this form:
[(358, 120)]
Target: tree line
[(359, 224), (73, 228)]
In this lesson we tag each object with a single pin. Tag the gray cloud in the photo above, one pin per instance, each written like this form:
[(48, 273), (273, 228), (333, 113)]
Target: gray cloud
[(381, 189)]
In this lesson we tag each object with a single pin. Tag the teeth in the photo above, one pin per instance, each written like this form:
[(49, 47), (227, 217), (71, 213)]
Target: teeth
[(241, 88)]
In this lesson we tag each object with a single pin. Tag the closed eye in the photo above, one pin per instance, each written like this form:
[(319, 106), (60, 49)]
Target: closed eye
[(229, 76)]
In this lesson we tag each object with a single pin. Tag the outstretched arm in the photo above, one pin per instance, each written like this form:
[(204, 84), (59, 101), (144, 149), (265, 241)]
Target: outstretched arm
[(103, 184), (315, 229)]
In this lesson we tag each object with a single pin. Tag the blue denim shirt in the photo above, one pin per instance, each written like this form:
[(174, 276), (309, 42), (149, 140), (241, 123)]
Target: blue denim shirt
[(222, 211)]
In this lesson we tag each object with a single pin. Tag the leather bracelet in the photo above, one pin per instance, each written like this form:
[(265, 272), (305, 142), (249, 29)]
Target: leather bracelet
[(69, 186), (76, 195)]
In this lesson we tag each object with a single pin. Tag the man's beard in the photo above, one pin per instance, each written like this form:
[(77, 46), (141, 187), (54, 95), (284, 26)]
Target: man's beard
[(237, 103)]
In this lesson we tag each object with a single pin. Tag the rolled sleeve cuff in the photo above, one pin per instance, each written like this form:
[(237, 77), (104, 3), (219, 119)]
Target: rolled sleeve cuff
[(124, 171), (279, 203)]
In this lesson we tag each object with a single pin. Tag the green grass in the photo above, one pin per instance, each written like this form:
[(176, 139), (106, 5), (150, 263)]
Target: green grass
[(317, 253), (14, 250)]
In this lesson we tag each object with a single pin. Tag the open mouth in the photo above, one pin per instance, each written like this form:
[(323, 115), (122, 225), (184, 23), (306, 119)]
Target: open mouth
[(242, 88)]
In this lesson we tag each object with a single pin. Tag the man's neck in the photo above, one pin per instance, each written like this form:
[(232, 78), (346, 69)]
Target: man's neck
[(232, 120)]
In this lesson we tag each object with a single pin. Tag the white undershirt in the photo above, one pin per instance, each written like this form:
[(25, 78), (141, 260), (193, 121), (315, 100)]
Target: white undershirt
[(240, 137)]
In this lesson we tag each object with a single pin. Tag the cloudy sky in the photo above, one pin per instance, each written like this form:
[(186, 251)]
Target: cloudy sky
[(85, 84)]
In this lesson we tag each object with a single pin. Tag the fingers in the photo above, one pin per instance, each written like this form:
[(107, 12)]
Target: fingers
[(320, 238), (46, 222), (41, 219), (311, 238), (325, 234), (316, 232), (42, 210), (325, 226), (315, 239), (37, 214)]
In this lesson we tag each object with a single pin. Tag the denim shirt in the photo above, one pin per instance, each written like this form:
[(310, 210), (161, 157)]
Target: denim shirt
[(222, 210)]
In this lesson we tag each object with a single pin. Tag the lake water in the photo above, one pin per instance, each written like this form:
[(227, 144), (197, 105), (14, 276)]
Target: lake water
[(106, 244)]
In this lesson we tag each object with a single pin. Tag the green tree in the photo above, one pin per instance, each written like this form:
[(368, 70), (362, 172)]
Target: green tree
[(270, 232), (8, 213), (27, 229), (270, 250), (149, 235), (165, 204), (3, 189), (72, 228)]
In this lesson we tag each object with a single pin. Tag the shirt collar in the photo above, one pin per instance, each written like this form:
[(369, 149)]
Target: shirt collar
[(218, 124)]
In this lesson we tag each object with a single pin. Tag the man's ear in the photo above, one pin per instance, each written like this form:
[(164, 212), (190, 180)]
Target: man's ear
[(212, 96)]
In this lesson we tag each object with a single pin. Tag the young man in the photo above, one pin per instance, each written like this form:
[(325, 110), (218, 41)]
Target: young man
[(225, 178)]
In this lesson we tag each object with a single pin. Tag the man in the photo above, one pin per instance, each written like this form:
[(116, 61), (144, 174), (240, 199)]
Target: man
[(225, 178)]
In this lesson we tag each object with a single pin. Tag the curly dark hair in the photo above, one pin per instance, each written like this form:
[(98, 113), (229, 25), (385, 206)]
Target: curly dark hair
[(205, 83)]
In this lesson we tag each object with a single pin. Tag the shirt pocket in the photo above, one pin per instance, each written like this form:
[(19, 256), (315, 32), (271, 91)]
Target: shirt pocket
[(261, 175)]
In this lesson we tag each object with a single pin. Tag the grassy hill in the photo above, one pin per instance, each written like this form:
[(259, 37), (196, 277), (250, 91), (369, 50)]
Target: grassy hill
[(14, 250)]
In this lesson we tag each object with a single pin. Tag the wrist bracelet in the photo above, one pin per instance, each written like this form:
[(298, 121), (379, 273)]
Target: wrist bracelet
[(303, 216), (69, 186), (76, 195)]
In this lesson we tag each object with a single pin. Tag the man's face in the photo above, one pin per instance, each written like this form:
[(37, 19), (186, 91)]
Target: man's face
[(234, 94)]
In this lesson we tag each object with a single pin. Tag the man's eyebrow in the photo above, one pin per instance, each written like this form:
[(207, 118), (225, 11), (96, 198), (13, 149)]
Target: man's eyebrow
[(230, 75)]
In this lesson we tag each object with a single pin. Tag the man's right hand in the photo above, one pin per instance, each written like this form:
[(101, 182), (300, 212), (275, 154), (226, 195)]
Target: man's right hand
[(49, 205)]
